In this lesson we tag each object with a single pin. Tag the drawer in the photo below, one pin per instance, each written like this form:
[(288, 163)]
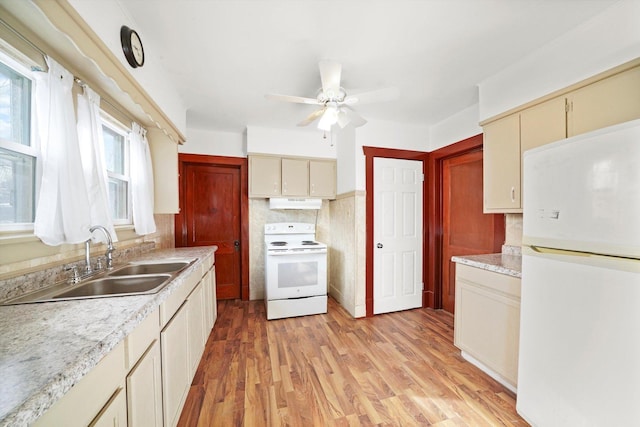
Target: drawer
[(497, 282), (141, 338)]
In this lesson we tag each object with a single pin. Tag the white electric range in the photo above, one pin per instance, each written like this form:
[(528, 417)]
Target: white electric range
[(295, 271)]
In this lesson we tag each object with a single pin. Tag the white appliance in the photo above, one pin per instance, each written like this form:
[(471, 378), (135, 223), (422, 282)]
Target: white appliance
[(579, 362), (295, 271)]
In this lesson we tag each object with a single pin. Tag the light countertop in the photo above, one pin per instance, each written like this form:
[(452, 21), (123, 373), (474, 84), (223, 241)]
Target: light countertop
[(510, 265), (46, 348)]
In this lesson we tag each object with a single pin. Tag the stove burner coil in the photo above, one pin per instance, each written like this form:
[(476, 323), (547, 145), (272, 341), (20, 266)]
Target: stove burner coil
[(309, 243), (278, 243)]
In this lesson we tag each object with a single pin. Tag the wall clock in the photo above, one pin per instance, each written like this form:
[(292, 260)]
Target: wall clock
[(132, 47)]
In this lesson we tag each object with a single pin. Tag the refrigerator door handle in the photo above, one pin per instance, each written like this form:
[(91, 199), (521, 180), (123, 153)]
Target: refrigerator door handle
[(552, 251)]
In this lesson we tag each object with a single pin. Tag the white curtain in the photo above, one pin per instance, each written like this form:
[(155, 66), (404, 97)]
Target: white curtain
[(63, 214), (141, 181), (93, 164)]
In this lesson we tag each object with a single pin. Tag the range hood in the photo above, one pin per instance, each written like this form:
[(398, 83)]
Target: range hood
[(293, 203)]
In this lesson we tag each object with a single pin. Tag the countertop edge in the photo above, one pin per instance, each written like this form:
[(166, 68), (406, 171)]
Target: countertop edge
[(510, 265)]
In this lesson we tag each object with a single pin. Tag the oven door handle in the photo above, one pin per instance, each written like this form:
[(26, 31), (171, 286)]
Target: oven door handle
[(319, 251)]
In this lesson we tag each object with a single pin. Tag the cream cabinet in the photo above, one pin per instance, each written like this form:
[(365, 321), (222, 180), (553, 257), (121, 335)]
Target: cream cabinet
[(607, 102), (174, 344), (164, 157), (322, 179), (271, 176), (501, 168), (265, 176), (487, 321), (295, 177), (195, 328), (114, 414), (144, 385)]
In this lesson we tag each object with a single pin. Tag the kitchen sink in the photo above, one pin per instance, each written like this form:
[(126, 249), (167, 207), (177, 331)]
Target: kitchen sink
[(150, 268), (112, 286), (135, 278)]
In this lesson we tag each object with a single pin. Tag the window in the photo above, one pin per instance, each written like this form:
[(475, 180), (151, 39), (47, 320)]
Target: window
[(18, 156), (116, 155)]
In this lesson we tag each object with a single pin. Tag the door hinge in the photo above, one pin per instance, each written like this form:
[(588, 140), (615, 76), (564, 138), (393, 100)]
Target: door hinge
[(421, 177), (422, 287), (568, 106)]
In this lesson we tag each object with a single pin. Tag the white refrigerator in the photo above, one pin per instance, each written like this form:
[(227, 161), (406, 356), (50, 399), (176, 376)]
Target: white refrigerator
[(579, 358)]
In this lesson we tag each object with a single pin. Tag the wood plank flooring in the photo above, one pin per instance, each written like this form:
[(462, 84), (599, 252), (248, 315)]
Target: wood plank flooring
[(398, 369)]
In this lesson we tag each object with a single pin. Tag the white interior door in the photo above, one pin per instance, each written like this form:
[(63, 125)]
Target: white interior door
[(397, 234)]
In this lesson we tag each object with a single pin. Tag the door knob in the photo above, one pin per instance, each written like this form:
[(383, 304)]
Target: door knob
[(236, 245), (379, 245)]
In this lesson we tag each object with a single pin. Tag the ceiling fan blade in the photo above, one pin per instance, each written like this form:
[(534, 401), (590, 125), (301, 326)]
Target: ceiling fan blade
[(312, 117), (289, 98), (330, 75), (355, 119), (380, 95)]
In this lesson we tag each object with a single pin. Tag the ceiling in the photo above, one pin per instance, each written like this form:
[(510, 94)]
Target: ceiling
[(224, 55)]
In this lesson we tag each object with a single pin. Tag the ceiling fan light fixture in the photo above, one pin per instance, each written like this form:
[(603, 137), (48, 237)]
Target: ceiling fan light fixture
[(328, 119)]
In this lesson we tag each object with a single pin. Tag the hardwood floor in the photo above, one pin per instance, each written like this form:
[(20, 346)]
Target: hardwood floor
[(398, 369)]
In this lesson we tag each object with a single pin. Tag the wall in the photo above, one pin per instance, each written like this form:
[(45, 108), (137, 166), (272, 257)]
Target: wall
[(301, 143), (105, 18), (601, 43), (214, 143), (457, 127)]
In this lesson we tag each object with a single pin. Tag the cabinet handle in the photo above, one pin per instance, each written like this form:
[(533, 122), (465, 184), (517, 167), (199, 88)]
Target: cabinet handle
[(313, 188), (513, 194), (275, 188), (284, 187)]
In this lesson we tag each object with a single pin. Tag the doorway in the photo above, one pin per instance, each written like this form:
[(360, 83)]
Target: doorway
[(397, 233), (456, 216), (372, 153), (214, 211)]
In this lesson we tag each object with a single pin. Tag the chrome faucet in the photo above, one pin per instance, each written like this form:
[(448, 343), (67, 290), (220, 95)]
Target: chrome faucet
[(108, 254)]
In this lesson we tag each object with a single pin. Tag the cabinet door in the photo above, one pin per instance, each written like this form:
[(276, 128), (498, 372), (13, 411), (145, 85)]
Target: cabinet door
[(295, 177), (114, 414), (264, 176), (613, 100), (164, 156), (174, 343), (543, 124), (195, 321), (144, 390), (501, 168), (322, 179)]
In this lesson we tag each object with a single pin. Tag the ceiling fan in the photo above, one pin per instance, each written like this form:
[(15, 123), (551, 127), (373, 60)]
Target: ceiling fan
[(335, 104)]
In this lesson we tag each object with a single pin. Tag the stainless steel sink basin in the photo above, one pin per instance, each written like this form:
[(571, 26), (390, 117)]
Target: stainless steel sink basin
[(151, 268), (112, 286), (136, 278)]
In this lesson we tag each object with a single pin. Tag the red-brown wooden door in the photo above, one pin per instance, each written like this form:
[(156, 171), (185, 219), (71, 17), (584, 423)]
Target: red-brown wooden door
[(211, 207), (465, 229)]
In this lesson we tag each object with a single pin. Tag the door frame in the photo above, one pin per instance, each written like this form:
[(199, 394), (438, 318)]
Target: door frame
[(370, 153), (180, 220), (435, 215)]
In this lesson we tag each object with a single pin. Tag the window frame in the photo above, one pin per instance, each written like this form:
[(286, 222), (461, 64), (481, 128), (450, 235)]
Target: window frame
[(118, 127), (31, 150)]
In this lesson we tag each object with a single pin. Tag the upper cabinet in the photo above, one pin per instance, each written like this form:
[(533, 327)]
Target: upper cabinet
[(272, 176), (501, 167), (265, 176), (604, 102), (164, 156)]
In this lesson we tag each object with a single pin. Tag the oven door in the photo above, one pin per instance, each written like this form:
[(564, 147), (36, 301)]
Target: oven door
[(295, 275)]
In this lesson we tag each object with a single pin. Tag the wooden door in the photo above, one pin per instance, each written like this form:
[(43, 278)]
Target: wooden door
[(465, 229), (397, 234), (211, 215)]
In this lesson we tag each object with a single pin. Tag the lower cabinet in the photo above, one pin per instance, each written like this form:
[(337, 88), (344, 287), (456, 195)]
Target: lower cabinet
[(144, 390), (174, 346), (114, 414), (487, 321)]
